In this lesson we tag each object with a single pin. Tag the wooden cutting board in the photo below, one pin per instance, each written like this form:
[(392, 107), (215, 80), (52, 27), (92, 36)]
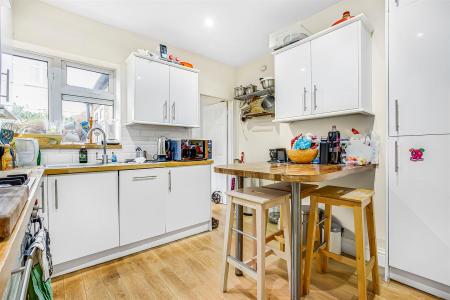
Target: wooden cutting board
[(12, 201)]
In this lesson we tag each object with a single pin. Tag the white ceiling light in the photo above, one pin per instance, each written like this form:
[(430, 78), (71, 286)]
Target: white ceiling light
[(209, 22)]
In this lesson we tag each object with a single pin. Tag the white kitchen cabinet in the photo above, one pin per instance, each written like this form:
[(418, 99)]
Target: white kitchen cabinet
[(149, 91), (419, 207), (327, 74), (161, 93), (143, 197), (189, 201), (83, 214), (184, 97), (293, 82), (419, 67), (41, 197)]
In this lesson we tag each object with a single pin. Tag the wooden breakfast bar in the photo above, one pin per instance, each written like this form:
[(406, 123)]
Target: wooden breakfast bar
[(295, 174)]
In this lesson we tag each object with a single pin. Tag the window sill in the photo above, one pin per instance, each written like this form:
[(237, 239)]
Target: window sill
[(78, 146)]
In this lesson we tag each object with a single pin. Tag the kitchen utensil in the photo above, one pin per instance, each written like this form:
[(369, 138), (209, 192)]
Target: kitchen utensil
[(239, 91), (268, 103), (27, 151), (303, 156), (278, 155), (162, 148), (267, 82), (250, 89)]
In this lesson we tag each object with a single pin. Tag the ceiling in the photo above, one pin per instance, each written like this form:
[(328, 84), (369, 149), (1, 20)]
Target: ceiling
[(230, 31)]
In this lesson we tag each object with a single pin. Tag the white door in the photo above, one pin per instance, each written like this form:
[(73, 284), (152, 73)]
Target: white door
[(143, 196), (184, 97), (83, 214), (293, 82), (335, 70), (215, 128), (419, 207), (151, 91), (419, 67), (189, 197)]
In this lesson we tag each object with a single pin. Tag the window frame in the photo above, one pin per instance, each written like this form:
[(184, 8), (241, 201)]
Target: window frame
[(58, 89)]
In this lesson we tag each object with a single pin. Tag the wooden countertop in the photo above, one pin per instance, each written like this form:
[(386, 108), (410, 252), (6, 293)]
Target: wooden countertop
[(72, 169), (10, 247), (291, 172)]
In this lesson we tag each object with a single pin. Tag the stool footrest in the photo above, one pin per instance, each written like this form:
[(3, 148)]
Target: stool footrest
[(243, 233), (340, 258), (241, 266), (370, 265)]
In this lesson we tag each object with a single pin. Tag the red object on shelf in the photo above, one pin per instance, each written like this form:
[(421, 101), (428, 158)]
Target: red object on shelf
[(355, 131), (345, 16)]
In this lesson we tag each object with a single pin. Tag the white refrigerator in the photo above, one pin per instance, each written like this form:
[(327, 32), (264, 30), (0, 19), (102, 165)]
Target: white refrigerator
[(418, 35)]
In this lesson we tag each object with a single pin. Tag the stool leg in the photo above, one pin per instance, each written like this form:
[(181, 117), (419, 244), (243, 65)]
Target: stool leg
[(227, 244), (285, 222), (261, 252), (312, 220), (373, 246), (254, 231), (282, 226), (326, 237), (360, 261)]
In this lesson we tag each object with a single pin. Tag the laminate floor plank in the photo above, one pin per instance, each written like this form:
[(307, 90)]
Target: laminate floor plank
[(190, 269)]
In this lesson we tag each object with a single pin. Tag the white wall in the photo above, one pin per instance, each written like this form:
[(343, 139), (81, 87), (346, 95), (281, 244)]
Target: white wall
[(256, 136), (47, 29)]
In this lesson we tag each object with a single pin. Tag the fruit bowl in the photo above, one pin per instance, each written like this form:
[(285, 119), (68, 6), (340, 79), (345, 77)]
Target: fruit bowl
[(302, 156)]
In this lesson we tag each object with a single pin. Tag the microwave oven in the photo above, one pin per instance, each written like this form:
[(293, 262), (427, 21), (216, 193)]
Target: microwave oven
[(189, 149)]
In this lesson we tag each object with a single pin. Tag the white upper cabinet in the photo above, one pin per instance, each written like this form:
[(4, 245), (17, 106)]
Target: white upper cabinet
[(419, 67), (335, 64), (184, 97), (293, 82), (161, 93), (326, 74), (150, 96)]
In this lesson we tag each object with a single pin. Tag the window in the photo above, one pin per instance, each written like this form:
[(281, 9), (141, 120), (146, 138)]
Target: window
[(25, 91), (50, 93)]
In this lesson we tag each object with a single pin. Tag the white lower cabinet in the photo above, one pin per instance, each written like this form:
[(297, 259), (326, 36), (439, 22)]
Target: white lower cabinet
[(189, 201), (83, 214), (143, 197)]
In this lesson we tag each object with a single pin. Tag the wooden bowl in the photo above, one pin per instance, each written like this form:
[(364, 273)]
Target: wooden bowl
[(302, 156)]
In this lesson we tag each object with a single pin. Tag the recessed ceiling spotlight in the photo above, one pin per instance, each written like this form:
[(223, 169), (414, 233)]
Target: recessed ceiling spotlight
[(209, 22)]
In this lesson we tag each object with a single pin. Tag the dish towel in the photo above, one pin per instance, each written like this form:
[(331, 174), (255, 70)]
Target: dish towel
[(42, 242), (38, 289)]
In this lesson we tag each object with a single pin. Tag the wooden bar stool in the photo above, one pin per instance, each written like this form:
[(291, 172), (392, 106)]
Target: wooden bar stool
[(359, 200), (260, 200), (306, 190)]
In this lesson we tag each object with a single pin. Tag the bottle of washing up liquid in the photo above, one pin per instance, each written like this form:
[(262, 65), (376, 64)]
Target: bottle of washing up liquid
[(83, 155), (113, 157), (7, 159)]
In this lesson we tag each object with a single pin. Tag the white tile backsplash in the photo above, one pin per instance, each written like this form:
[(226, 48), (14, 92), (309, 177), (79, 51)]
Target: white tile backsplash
[(144, 136)]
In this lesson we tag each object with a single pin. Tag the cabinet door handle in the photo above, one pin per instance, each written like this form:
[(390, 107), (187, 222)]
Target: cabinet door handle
[(173, 111), (304, 99), (315, 97), (7, 74), (165, 110), (56, 194), (150, 177), (170, 181), (396, 157), (397, 125), (42, 197)]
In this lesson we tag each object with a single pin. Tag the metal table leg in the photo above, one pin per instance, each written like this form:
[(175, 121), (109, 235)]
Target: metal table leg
[(296, 240), (239, 226)]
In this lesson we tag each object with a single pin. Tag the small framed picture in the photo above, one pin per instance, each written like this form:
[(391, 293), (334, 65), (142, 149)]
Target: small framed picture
[(163, 51)]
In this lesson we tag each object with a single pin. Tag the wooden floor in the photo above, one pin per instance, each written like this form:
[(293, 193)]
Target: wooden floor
[(190, 269)]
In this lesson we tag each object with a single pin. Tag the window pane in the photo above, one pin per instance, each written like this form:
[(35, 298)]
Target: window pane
[(28, 91), (87, 79), (76, 114)]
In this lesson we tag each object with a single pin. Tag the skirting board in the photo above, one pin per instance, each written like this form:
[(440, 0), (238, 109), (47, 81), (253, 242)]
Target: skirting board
[(438, 289), (348, 247), (121, 251)]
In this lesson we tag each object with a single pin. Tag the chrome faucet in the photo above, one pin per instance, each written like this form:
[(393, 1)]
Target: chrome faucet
[(104, 158)]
